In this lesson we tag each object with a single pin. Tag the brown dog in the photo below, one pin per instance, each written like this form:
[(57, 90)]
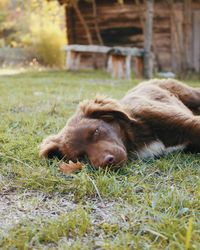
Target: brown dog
[(155, 117)]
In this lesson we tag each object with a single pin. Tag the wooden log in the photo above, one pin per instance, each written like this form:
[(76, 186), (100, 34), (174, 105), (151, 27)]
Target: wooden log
[(138, 66), (119, 66), (115, 23), (117, 70), (73, 60)]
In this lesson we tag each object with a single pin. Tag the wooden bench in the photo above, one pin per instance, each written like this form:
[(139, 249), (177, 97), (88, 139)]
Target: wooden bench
[(119, 59)]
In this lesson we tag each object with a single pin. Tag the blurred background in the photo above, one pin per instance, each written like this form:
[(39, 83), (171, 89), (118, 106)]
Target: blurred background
[(34, 32)]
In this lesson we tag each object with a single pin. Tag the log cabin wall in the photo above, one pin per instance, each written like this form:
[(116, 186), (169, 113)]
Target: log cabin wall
[(122, 25)]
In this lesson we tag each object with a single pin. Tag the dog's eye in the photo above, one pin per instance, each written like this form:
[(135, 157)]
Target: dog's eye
[(96, 132), (93, 135)]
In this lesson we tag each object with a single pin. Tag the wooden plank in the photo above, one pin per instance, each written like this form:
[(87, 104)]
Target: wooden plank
[(196, 41), (187, 29), (73, 60), (138, 66), (87, 48), (119, 61), (128, 50), (117, 66), (176, 38), (71, 24), (128, 67), (103, 49)]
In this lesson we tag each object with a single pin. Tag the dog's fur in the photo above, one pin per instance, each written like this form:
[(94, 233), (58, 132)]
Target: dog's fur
[(155, 117)]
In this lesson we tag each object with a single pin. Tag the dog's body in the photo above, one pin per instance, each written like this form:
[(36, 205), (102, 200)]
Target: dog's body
[(154, 118)]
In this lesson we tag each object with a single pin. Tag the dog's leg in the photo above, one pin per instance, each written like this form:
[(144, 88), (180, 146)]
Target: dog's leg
[(173, 127), (188, 95), (192, 148)]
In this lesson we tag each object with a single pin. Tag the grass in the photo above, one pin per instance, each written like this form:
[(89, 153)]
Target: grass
[(145, 205)]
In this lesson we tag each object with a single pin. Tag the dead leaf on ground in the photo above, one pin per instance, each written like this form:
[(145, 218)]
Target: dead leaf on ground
[(71, 167)]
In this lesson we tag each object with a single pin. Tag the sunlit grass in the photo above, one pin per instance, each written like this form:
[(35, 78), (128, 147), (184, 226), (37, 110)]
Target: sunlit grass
[(145, 205)]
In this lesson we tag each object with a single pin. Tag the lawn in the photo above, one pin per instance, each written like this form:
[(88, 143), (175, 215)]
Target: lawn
[(145, 205)]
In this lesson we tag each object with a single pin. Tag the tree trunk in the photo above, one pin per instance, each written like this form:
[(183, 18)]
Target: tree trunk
[(182, 35), (82, 20), (142, 23), (187, 33), (148, 40), (94, 7)]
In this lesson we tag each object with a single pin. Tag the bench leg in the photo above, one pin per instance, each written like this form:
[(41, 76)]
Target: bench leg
[(128, 67), (138, 67), (119, 66), (73, 60)]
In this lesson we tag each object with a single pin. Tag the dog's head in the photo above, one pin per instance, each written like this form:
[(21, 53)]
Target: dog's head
[(98, 130)]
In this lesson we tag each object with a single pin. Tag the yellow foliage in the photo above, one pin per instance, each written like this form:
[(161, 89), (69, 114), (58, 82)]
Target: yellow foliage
[(121, 1), (47, 36), (38, 25), (3, 4), (40, 28), (49, 42)]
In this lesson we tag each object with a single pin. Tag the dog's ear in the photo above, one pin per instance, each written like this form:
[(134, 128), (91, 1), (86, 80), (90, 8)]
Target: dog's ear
[(106, 109), (112, 115), (51, 147)]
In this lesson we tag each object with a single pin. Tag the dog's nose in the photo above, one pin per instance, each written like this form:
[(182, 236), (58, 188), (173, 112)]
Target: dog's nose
[(109, 159)]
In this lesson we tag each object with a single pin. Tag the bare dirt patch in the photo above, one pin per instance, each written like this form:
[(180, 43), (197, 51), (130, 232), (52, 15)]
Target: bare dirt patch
[(8, 72), (29, 205)]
